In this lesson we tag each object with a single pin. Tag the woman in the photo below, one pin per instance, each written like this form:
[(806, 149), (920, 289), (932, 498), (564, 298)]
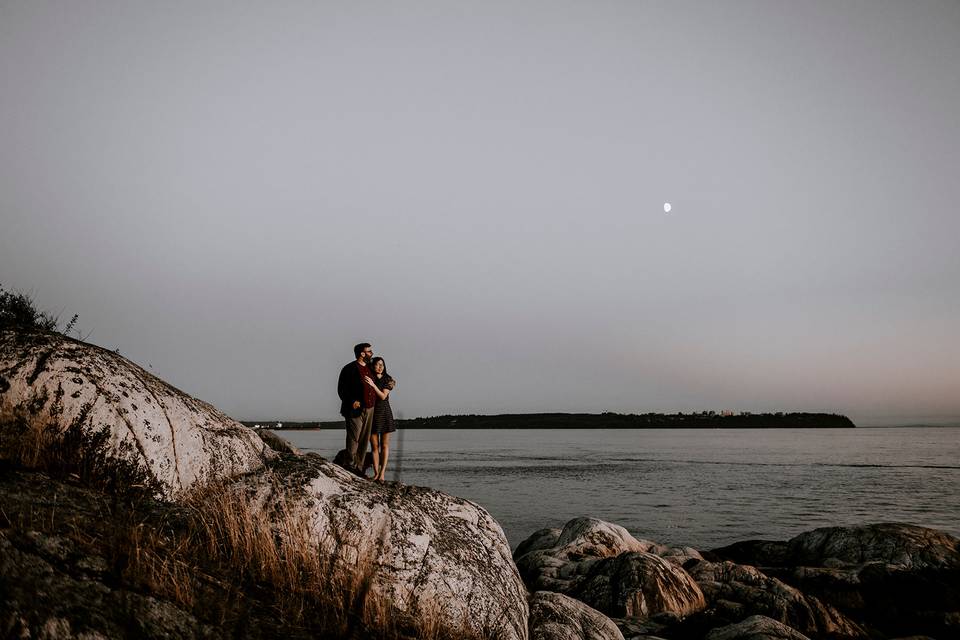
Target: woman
[(383, 424)]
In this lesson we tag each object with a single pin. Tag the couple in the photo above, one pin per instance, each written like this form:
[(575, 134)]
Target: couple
[(364, 387)]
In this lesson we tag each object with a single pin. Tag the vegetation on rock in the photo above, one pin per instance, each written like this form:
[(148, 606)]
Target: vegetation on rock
[(18, 311)]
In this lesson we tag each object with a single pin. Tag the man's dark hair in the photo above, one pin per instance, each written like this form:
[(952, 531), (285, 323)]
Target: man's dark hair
[(357, 350)]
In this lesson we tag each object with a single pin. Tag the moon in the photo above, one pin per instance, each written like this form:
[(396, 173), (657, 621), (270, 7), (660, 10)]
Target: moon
[(666, 207)]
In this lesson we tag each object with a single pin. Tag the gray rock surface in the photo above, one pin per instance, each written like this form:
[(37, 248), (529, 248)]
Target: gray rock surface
[(425, 551), (49, 591), (637, 584), (78, 404), (901, 578), (554, 616), (756, 628), (741, 590), (601, 564), (73, 406), (905, 545)]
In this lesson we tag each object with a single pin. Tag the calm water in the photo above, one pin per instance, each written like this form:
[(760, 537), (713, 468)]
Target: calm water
[(699, 487)]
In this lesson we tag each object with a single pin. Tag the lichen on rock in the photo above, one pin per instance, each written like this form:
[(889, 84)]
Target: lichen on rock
[(72, 404)]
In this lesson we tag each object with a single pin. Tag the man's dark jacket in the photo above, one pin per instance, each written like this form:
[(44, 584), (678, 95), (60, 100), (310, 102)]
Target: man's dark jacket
[(350, 389)]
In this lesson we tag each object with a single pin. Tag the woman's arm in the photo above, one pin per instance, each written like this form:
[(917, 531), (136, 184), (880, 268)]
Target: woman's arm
[(381, 393)]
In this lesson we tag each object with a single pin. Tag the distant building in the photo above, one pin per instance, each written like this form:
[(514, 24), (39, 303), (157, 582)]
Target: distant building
[(726, 412)]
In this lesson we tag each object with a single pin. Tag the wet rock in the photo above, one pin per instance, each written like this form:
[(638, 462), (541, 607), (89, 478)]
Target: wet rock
[(756, 628), (554, 616), (76, 406)]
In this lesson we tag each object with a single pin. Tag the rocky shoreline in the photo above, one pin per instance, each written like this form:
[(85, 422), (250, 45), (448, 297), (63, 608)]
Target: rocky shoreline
[(130, 509)]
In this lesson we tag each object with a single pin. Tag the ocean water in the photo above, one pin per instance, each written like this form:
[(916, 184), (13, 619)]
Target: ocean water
[(699, 487)]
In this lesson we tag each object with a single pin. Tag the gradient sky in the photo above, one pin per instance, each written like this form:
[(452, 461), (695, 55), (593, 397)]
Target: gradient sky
[(234, 196)]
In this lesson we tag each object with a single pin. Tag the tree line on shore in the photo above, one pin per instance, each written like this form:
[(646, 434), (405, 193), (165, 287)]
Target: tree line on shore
[(607, 420)]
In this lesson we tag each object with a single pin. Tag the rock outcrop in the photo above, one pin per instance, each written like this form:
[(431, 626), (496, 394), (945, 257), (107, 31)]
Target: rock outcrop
[(554, 616), (70, 406), (426, 552), (91, 408)]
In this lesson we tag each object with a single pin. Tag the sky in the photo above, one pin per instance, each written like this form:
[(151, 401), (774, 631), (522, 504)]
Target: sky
[(234, 194)]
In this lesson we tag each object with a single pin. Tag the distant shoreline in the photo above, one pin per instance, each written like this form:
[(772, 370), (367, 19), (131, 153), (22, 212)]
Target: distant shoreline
[(704, 420)]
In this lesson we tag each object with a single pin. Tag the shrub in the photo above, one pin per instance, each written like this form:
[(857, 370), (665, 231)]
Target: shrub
[(18, 312)]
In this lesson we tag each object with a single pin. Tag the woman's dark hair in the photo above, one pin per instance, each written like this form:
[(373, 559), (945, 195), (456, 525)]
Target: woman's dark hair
[(373, 364)]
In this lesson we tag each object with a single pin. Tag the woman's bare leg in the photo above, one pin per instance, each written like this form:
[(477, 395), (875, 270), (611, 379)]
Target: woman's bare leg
[(375, 445), (384, 454)]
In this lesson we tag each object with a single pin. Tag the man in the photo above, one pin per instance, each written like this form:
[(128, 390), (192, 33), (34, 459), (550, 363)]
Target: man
[(356, 404)]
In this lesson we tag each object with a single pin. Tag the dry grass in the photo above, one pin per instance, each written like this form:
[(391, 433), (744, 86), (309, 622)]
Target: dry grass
[(228, 553), (75, 452), (261, 542)]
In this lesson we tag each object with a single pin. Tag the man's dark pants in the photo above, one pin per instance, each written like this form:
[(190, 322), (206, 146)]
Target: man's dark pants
[(358, 436)]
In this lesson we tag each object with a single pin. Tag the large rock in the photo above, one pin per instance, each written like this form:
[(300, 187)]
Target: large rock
[(756, 628), (601, 564), (427, 553), (900, 578), (637, 584), (418, 552), (71, 404), (554, 616), (905, 545), (550, 559), (734, 591)]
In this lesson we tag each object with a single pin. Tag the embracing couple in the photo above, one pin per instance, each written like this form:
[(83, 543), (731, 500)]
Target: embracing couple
[(364, 387)]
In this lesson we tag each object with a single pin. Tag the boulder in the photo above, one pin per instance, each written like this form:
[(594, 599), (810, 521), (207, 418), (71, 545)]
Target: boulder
[(69, 404), (551, 558), (734, 591), (637, 584), (900, 578), (756, 628), (554, 616), (428, 554), (601, 564), (905, 545), (540, 539)]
